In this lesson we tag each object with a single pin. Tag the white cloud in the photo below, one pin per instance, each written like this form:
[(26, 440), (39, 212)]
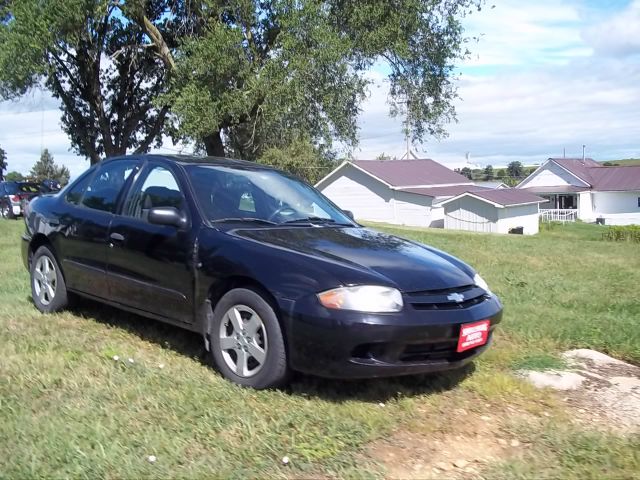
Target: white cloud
[(544, 75), (534, 88), (618, 35)]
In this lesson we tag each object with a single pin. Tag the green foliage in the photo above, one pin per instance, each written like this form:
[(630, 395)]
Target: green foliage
[(45, 168), (107, 105), (3, 163), (488, 172), (261, 74), (515, 170), (300, 158), (14, 177), (466, 171), (622, 233)]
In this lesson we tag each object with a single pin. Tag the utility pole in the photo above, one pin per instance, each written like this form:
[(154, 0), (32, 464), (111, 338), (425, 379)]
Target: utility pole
[(408, 152)]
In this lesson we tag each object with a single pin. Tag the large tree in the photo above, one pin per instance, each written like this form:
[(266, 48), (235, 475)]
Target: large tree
[(46, 169), (236, 77), (260, 73), (3, 163), (515, 170), (102, 66)]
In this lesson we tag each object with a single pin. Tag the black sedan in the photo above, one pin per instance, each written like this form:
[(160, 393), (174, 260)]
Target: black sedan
[(272, 274)]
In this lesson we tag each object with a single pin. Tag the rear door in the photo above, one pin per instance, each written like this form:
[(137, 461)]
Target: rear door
[(150, 266), (84, 229)]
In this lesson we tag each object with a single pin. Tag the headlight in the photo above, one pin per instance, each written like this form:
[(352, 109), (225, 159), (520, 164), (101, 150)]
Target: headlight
[(479, 281), (363, 298)]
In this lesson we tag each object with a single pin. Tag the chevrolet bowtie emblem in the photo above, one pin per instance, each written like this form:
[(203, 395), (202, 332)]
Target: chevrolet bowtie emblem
[(456, 297)]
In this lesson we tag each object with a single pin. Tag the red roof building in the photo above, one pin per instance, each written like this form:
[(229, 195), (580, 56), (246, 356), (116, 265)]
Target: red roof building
[(584, 189)]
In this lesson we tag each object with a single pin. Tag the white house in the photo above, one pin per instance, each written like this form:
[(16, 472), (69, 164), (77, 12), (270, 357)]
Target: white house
[(404, 192), (494, 211), (584, 189)]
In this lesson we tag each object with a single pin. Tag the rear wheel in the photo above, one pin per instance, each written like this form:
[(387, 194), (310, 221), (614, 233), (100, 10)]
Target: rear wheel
[(48, 288), (247, 344)]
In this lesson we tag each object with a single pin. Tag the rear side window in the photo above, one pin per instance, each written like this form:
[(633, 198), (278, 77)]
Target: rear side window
[(74, 194), (106, 185)]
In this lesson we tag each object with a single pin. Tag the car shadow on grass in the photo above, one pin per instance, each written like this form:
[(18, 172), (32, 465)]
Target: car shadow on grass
[(190, 344)]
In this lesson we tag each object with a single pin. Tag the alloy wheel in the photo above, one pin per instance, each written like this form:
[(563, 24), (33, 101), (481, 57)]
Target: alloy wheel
[(243, 341), (45, 280)]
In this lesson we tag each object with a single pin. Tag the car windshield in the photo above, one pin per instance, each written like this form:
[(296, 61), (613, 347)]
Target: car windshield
[(260, 196)]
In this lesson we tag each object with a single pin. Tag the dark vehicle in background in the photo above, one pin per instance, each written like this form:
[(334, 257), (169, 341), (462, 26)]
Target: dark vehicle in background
[(273, 275), (14, 195), (50, 186)]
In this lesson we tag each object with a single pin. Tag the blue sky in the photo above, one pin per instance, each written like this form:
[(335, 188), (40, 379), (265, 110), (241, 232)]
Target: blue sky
[(545, 75)]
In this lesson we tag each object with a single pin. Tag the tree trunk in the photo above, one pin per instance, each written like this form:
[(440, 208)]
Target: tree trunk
[(213, 144)]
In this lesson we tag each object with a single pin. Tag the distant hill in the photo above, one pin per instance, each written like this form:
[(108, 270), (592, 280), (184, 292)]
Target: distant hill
[(626, 161)]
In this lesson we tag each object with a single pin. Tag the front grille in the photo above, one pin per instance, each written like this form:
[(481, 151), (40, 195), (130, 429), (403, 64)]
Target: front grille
[(424, 353), (447, 299)]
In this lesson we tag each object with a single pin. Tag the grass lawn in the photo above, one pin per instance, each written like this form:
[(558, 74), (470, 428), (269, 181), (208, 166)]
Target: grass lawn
[(67, 409)]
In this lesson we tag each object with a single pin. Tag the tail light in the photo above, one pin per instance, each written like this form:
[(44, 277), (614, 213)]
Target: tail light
[(15, 198)]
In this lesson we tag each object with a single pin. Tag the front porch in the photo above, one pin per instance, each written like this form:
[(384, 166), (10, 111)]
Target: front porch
[(559, 207)]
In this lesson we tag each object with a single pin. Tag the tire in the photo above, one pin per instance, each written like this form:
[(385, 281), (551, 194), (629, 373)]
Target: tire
[(245, 323), (48, 289)]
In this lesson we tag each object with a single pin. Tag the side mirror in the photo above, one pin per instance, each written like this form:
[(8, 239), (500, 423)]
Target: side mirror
[(167, 216), (349, 214)]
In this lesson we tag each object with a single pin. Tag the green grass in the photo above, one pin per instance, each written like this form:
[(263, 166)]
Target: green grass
[(626, 161), (67, 409)]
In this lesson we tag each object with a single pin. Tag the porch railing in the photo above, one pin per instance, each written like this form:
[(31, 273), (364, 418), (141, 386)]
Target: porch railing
[(558, 215)]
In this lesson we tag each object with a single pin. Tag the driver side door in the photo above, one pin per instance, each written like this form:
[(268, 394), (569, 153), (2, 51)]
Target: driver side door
[(150, 266)]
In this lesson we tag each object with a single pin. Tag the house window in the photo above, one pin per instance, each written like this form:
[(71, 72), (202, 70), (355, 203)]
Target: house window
[(638, 202)]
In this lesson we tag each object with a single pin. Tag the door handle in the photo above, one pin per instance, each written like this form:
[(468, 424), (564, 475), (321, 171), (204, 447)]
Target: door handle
[(116, 237)]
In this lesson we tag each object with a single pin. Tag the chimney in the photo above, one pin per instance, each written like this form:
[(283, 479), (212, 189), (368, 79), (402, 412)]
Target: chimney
[(583, 147)]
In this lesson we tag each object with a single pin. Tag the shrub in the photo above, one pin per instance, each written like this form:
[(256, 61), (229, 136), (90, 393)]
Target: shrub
[(627, 233)]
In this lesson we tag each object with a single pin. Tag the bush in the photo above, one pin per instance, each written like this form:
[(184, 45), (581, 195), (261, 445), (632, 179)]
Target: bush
[(627, 233)]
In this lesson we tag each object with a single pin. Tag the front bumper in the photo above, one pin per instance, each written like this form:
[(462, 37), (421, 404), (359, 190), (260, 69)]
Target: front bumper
[(340, 344)]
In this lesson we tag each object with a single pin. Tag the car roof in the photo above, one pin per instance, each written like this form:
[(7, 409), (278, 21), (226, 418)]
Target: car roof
[(195, 160)]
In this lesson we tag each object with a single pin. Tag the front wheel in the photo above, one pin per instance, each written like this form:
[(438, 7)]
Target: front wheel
[(247, 344), (48, 288)]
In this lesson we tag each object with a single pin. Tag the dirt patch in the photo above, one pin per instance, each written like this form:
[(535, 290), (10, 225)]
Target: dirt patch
[(601, 391), (471, 442)]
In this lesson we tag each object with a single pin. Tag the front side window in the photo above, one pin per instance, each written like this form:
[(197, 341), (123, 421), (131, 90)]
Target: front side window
[(157, 188), (106, 185), (74, 193), (255, 194)]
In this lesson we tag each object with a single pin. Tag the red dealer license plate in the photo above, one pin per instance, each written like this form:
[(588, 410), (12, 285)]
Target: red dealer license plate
[(473, 335)]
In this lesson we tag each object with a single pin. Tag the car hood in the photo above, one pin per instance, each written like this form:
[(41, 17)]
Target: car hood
[(409, 265)]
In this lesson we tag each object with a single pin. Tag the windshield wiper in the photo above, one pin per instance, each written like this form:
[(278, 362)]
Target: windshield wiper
[(315, 220), (244, 219)]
